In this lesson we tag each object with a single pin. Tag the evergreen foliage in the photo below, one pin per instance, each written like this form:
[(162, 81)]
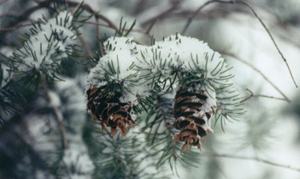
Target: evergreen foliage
[(118, 113)]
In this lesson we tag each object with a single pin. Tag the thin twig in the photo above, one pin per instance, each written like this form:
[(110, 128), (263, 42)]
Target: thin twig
[(256, 159), (259, 72), (23, 17), (191, 18), (251, 94), (46, 4), (6, 29), (150, 27), (163, 14), (107, 26), (270, 97), (189, 21), (273, 40), (92, 11)]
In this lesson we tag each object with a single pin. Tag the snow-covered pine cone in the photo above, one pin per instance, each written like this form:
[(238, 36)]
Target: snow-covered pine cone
[(108, 109), (178, 64), (111, 93), (192, 112)]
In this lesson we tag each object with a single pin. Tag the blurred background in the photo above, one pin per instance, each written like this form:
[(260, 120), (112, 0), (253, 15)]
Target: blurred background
[(270, 129)]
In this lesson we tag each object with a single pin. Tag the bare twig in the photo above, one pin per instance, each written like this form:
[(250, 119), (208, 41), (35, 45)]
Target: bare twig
[(191, 18), (46, 4), (273, 40), (259, 72), (150, 27), (10, 29), (189, 21), (256, 159), (92, 11), (270, 97), (107, 26), (163, 14), (23, 17), (251, 94)]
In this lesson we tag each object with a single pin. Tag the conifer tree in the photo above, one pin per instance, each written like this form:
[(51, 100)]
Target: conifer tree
[(119, 107)]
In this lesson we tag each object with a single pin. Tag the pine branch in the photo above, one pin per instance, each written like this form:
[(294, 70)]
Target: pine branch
[(47, 43), (121, 157), (47, 4), (167, 67)]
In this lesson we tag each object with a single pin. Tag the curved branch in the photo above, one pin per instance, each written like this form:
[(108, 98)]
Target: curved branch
[(190, 19), (46, 4), (92, 11), (140, 31), (161, 15), (260, 73)]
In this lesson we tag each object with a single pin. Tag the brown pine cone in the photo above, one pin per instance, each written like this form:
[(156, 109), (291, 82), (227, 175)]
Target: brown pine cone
[(192, 112), (109, 110)]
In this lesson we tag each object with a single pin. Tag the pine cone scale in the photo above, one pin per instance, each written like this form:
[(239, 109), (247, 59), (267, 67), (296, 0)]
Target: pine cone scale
[(109, 110), (191, 117)]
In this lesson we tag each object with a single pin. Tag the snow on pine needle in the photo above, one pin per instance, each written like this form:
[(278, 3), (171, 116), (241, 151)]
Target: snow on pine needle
[(47, 43), (197, 77)]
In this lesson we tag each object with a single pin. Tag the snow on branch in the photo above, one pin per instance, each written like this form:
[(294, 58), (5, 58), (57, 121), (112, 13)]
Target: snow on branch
[(165, 66), (47, 43), (196, 80)]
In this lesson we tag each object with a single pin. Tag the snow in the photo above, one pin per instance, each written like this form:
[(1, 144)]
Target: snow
[(132, 60), (242, 35), (41, 49)]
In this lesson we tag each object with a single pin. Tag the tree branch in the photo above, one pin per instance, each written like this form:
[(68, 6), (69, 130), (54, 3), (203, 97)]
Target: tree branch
[(189, 21), (256, 159), (259, 72), (92, 11), (46, 4), (107, 26), (251, 94), (161, 15)]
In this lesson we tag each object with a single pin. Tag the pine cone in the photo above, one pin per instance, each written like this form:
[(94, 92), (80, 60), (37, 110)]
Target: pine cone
[(192, 112), (109, 110)]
